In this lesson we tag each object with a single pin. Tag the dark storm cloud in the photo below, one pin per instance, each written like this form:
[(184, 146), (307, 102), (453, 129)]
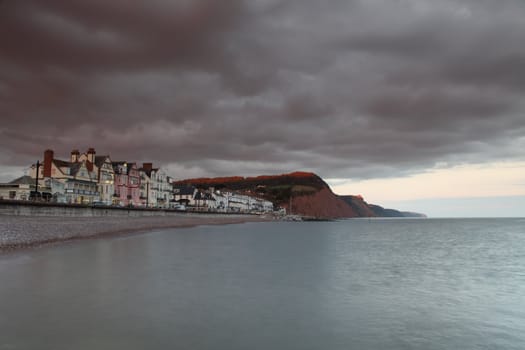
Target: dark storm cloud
[(343, 88)]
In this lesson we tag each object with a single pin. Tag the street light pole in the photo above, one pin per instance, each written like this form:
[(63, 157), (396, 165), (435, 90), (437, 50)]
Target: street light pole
[(147, 194), (36, 180)]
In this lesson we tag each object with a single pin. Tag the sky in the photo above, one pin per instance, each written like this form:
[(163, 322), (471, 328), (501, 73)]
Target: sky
[(398, 100)]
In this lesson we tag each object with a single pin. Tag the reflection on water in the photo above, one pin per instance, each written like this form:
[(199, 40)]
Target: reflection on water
[(357, 284)]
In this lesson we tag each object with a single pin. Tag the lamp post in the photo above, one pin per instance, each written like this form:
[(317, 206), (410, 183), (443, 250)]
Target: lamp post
[(36, 178), (147, 194)]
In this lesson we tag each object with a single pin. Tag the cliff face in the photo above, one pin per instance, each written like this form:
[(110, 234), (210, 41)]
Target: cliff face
[(321, 204)]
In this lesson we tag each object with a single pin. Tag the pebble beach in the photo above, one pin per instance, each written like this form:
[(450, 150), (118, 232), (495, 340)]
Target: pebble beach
[(19, 232)]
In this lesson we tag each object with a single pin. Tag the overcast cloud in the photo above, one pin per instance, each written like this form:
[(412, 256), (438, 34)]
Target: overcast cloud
[(345, 88)]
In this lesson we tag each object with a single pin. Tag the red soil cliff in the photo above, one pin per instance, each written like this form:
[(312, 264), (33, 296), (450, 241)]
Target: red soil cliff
[(321, 204)]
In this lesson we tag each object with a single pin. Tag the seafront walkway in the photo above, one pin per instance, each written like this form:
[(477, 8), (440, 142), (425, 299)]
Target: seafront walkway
[(22, 231)]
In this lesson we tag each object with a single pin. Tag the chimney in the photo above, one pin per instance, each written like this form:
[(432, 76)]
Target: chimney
[(74, 155), (91, 155), (147, 166), (48, 159)]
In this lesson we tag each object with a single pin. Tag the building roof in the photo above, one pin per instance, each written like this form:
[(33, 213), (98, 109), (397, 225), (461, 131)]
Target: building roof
[(203, 196), (183, 190), (129, 167), (117, 165), (23, 180), (100, 160), (148, 171), (62, 163), (75, 167)]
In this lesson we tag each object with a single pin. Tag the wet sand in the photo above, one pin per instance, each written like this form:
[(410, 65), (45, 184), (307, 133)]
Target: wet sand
[(20, 232)]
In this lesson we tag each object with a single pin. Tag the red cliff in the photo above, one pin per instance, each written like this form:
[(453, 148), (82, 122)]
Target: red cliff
[(321, 204)]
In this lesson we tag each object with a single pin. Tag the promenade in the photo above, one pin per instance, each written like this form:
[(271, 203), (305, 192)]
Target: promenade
[(18, 232)]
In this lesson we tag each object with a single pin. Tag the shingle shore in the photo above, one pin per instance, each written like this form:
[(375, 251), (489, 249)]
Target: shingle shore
[(25, 231)]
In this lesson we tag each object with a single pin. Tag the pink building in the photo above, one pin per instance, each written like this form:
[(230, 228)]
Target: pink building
[(127, 184)]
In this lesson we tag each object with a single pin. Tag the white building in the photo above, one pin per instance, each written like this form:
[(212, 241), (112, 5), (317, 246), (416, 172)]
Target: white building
[(103, 169), (234, 202), (79, 182), (238, 202), (156, 190), (221, 201), (18, 189), (184, 195)]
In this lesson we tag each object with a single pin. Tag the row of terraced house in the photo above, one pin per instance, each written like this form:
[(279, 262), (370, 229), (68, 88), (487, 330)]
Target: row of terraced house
[(88, 178)]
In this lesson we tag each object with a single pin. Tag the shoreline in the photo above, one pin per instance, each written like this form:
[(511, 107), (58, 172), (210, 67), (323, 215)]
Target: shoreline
[(26, 232)]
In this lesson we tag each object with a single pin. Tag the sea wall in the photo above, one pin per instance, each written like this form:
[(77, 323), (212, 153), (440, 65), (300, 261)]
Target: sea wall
[(25, 208)]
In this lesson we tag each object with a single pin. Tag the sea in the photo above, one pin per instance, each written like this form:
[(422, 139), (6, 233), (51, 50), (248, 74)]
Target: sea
[(353, 284)]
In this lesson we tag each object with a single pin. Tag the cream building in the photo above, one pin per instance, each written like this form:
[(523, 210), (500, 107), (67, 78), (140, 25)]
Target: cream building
[(80, 182), (103, 169), (156, 190)]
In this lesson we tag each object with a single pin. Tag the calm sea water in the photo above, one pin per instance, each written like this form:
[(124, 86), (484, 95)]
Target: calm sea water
[(357, 284)]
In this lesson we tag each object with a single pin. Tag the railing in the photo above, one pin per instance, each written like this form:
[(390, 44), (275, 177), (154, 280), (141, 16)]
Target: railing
[(85, 192)]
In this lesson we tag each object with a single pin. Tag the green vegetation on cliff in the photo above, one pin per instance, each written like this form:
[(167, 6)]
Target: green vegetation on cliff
[(275, 188)]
